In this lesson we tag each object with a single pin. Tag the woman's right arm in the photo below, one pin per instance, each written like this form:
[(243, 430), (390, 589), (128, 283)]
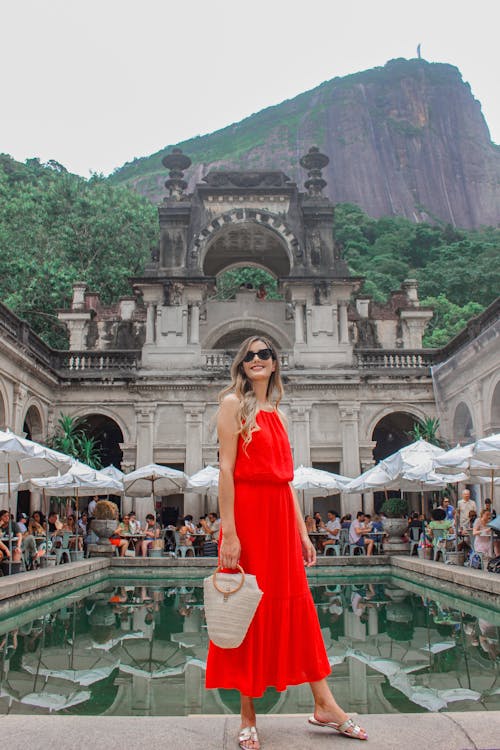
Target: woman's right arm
[(227, 431)]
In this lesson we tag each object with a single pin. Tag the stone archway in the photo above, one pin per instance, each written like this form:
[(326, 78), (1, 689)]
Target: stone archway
[(33, 424), (495, 409), (108, 436), (463, 425), (230, 334), (3, 412), (391, 433), (247, 236)]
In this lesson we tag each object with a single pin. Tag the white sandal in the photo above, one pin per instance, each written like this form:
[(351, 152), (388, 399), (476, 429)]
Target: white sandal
[(248, 734), (348, 728)]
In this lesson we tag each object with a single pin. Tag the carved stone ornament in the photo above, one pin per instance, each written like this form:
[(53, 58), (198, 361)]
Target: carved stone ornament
[(246, 179), (314, 161), (177, 163)]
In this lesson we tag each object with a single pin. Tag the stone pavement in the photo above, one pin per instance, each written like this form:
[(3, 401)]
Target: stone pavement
[(475, 730)]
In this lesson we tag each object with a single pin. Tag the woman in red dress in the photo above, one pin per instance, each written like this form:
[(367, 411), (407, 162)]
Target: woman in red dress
[(262, 528)]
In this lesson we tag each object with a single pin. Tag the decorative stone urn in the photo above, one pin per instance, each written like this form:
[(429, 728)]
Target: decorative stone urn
[(104, 528), (395, 545)]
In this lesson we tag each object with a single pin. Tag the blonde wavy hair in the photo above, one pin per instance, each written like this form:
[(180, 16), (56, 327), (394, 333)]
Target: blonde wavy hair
[(241, 386)]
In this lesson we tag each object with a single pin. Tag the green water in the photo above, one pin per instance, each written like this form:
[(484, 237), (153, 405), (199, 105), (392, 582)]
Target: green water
[(138, 647)]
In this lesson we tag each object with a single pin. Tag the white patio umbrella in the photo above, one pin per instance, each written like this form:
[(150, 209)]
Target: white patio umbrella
[(80, 481), (154, 479), (418, 454), (316, 482), (113, 472), (206, 481), (480, 461), (21, 459), (374, 479)]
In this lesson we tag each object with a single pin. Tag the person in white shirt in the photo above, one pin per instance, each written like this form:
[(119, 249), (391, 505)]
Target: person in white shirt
[(212, 526), (464, 507), (91, 506), (358, 534), (332, 528), (134, 524)]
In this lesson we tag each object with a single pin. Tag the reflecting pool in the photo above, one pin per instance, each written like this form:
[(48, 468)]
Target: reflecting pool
[(138, 647)]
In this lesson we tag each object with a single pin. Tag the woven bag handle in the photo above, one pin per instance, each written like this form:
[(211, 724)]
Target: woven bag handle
[(232, 591)]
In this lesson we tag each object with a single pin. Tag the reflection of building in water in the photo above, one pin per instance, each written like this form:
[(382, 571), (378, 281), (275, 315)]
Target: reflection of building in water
[(388, 652), (145, 372)]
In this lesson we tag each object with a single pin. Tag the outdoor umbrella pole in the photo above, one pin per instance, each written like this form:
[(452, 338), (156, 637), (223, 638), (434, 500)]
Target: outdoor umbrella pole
[(76, 525), (10, 519), (46, 506)]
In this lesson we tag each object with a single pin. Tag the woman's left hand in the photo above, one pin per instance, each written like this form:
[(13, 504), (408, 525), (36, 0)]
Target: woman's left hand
[(308, 552)]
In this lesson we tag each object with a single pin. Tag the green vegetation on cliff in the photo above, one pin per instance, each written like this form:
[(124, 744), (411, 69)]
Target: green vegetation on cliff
[(57, 228)]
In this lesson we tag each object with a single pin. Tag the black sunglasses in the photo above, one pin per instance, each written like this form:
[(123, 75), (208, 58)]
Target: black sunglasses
[(262, 354)]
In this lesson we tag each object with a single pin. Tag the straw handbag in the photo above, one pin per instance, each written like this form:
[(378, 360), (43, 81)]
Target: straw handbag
[(231, 600)]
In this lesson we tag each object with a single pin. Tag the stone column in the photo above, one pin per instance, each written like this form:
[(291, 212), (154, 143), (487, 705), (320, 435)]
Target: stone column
[(145, 416), (194, 454), (150, 322), (343, 323), (301, 433), (194, 333), (349, 416), (299, 323)]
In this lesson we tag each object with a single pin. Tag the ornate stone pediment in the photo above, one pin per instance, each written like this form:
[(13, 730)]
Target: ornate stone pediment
[(247, 179)]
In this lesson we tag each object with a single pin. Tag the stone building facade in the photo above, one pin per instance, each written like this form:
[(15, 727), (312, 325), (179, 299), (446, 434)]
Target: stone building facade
[(145, 373)]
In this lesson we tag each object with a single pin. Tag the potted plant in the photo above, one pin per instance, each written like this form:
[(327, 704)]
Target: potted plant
[(105, 520), (395, 509)]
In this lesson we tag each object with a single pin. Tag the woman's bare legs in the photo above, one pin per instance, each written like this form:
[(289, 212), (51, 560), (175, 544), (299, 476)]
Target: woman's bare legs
[(248, 719), (326, 707)]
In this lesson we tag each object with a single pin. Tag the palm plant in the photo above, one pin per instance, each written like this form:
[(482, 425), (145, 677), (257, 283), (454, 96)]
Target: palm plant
[(426, 429), (70, 438)]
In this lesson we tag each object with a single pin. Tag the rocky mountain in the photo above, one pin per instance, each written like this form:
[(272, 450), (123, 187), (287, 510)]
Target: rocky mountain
[(407, 139)]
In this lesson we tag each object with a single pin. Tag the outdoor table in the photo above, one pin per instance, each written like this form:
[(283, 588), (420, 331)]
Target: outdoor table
[(317, 537)]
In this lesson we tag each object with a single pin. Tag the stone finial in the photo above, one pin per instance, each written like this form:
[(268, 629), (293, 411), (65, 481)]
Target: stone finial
[(177, 163), (78, 301), (314, 161)]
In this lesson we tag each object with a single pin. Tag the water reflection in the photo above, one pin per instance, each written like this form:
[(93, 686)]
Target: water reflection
[(141, 650)]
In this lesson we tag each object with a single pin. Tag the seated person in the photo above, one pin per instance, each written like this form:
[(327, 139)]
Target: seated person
[(53, 523), (332, 528), (134, 524), (346, 521), (36, 524), (189, 524), (310, 524), (439, 524), (211, 527), (19, 541), (117, 539), (83, 523), (151, 531), (320, 524), (482, 536), (358, 534), (69, 527)]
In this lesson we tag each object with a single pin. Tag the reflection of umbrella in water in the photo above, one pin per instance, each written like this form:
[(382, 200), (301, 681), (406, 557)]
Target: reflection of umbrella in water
[(83, 666), (148, 658), (56, 695)]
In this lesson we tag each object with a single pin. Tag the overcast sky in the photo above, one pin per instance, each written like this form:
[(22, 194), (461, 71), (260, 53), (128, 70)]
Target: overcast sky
[(95, 83)]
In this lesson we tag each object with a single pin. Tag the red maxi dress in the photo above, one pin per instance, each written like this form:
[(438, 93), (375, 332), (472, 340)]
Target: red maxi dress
[(283, 645)]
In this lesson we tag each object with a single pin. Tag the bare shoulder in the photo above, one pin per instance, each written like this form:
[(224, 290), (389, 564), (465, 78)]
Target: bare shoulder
[(230, 404)]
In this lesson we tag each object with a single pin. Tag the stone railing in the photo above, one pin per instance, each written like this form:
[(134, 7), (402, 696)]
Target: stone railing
[(395, 359), (98, 364), (218, 359), (19, 332)]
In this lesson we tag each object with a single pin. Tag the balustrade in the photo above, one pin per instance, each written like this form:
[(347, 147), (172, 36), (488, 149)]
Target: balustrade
[(395, 359)]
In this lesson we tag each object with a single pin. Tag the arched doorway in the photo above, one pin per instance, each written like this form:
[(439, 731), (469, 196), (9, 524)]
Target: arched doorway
[(247, 241), (231, 341), (495, 409), (463, 426), (108, 436), (3, 413), (392, 433), (33, 425)]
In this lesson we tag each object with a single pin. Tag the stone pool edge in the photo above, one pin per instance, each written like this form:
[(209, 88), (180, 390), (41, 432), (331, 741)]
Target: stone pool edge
[(470, 730), (24, 585)]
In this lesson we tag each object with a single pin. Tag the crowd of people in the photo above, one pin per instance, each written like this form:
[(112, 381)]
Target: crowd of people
[(462, 528), (445, 526), (30, 539)]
